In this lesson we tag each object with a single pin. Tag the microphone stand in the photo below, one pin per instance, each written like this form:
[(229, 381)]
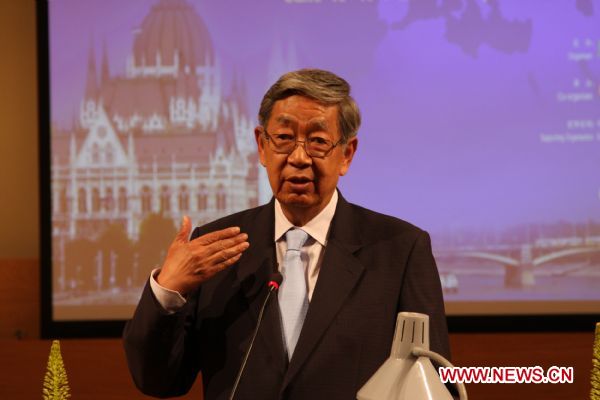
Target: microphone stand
[(274, 282)]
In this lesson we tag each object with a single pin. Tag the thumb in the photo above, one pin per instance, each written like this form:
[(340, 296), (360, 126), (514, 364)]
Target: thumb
[(184, 231)]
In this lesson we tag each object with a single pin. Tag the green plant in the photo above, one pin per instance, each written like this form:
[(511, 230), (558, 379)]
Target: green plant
[(56, 383)]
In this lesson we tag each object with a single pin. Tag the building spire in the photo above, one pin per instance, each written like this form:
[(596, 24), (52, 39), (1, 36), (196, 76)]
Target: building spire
[(238, 91), (105, 73), (235, 84), (243, 96), (91, 86)]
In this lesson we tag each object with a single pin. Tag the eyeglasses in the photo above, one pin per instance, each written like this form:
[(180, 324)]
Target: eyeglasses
[(315, 145)]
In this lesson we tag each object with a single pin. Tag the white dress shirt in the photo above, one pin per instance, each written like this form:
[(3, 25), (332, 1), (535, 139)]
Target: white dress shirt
[(317, 229)]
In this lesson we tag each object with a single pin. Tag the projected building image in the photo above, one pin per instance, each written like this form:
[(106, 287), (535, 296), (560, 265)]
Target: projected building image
[(160, 142)]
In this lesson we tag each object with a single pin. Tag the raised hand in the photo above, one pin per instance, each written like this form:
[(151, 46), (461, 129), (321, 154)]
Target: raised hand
[(190, 263)]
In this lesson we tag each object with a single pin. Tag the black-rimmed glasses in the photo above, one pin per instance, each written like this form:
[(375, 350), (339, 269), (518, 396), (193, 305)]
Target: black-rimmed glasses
[(316, 145)]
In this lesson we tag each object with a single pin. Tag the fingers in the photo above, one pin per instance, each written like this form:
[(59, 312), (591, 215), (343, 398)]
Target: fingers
[(207, 250), (217, 250), (219, 266), (184, 231), (223, 258), (227, 252), (221, 244), (212, 237)]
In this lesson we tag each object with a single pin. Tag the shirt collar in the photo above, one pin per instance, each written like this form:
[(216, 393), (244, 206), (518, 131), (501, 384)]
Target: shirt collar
[(317, 227)]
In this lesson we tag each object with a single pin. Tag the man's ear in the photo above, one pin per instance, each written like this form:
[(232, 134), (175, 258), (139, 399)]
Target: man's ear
[(260, 144), (349, 150)]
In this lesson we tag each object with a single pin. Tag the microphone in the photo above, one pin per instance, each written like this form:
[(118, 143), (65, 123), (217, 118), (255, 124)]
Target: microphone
[(275, 280)]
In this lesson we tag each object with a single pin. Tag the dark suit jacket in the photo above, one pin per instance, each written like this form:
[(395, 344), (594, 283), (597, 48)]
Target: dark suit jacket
[(374, 266)]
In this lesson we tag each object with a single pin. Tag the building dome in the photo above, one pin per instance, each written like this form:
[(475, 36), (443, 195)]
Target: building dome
[(171, 27)]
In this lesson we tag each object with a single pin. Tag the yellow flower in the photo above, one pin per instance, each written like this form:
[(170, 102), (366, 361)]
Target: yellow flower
[(56, 383)]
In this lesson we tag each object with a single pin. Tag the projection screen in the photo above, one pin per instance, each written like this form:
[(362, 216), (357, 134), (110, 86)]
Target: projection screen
[(481, 125)]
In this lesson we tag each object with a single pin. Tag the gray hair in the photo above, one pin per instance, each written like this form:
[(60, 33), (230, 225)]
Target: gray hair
[(323, 86)]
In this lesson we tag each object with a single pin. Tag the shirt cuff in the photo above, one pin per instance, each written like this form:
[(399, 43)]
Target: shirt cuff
[(170, 300)]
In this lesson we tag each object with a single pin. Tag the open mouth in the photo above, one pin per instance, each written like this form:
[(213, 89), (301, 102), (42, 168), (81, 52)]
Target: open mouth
[(299, 184), (299, 179)]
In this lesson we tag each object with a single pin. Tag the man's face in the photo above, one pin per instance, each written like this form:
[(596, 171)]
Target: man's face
[(299, 181)]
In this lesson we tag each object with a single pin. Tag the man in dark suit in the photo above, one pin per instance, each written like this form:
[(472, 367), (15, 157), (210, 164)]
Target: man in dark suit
[(347, 271)]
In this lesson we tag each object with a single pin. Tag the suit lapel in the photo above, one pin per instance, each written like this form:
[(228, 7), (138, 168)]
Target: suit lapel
[(340, 272), (254, 269)]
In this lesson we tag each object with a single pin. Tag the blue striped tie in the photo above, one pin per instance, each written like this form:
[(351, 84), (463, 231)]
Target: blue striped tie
[(293, 299)]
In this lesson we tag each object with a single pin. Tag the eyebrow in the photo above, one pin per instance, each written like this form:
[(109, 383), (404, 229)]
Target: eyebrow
[(319, 125), (284, 120), (313, 126)]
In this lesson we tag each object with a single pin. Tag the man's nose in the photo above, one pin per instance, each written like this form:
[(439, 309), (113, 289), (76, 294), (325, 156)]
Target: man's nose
[(298, 157)]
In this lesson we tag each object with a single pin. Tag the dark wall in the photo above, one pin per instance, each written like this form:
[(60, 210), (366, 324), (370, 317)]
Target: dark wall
[(19, 225)]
